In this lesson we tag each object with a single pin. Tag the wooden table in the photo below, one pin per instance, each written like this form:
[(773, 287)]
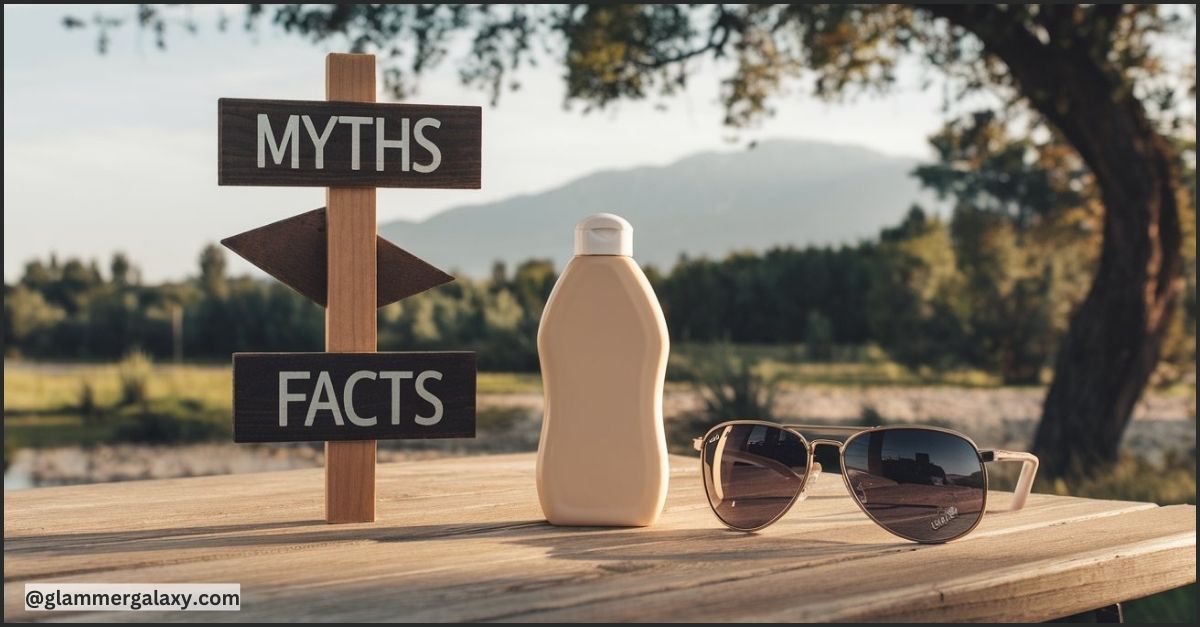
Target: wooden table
[(463, 539)]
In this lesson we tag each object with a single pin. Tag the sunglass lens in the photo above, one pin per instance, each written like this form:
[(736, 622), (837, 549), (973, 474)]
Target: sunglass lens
[(920, 484), (752, 473)]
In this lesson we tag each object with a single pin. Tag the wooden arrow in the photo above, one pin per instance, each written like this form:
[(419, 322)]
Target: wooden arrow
[(295, 250)]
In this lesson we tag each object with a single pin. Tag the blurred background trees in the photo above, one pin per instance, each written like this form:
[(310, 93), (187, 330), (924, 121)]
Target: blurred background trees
[(972, 291)]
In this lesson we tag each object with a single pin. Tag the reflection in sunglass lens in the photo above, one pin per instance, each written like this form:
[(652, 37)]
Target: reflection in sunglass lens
[(752, 473), (921, 484)]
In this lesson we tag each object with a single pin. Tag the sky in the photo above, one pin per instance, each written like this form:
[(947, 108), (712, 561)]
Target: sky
[(117, 152)]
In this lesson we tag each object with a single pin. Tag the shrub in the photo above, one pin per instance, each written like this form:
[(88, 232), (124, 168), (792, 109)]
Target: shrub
[(153, 428), (869, 416), (500, 418), (1134, 478), (818, 337), (89, 410), (730, 387), (10, 452), (134, 372)]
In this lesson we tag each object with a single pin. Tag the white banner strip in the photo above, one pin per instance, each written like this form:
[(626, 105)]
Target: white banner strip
[(135, 597)]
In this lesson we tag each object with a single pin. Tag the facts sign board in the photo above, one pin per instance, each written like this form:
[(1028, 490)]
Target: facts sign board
[(299, 397), (348, 144)]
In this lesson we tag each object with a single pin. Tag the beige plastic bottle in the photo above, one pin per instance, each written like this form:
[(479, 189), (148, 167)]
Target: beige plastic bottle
[(602, 458)]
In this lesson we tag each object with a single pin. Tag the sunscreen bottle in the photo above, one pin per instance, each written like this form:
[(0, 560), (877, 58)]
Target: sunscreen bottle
[(603, 345)]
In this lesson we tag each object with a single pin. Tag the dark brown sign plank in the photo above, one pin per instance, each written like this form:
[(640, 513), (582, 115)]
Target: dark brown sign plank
[(348, 144), (295, 250), (310, 397)]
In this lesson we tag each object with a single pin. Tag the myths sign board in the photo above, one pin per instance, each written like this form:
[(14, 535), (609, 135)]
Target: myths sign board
[(302, 397), (348, 144)]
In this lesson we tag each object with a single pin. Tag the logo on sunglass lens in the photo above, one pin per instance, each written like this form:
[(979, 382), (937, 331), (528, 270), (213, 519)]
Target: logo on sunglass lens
[(945, 515)]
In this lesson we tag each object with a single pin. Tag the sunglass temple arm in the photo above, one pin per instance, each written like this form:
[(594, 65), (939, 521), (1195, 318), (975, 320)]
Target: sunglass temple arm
[(1029, 466)]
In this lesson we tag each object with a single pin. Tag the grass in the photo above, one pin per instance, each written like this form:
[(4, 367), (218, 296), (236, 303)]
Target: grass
[(49, 405), (50, 431), (1172, 606), (508, 383), (42, 402), (1170, 482), (55, 388), (851, 366)]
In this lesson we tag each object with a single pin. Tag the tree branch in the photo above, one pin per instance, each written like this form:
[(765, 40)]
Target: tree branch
[(1059, 22), (1106, 16), (718, 38)]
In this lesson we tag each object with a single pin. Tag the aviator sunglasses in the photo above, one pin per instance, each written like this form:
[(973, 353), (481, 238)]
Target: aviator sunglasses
[(923, 484)]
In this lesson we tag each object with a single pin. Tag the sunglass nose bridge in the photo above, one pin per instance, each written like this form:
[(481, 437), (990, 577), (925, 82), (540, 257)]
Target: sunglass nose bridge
[(827, 453)]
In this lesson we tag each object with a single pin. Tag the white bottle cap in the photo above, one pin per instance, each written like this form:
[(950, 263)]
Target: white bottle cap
[(604, 234)]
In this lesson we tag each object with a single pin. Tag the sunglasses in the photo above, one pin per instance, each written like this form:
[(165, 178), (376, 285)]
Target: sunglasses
[(923, 484)]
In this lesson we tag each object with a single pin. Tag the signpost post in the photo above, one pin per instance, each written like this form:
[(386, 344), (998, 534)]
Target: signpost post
[(350, 145), (350, 312)]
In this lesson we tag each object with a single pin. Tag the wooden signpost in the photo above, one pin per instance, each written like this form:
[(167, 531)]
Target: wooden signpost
[(349, 396), (273, 249)]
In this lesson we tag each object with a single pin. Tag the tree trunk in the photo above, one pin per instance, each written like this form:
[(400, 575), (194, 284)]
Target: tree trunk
[(1116, 334)]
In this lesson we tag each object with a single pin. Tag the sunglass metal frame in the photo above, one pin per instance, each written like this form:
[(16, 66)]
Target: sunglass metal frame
[(1029, 465)]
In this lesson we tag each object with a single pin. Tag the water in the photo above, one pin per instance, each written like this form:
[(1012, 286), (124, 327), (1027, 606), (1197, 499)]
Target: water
[(18, 480), (73, 465)]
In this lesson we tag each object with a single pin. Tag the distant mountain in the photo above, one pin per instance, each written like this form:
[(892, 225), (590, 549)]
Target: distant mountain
[(779, 192)]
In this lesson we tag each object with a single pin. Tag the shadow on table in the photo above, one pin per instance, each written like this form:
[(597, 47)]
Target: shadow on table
[(584, 543), (698, 545)]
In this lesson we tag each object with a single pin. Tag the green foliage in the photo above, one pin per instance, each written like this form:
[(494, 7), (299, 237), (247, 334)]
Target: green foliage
[(212, 272), (42, 403), (10, 452), (818, 340), (769, 298), (974, 295), (1169, 481), (870, 417), (89, 409), (731, 386), (637, 51), (1172, 606), (29, 320), (157, 427), (993, 287), (500, 418), (969, 294), (134, 371), (913, 303)]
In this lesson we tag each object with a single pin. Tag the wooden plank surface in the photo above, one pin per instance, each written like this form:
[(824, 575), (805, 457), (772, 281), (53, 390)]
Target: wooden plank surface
[(350, 313), (463, 539), (456, 136)]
